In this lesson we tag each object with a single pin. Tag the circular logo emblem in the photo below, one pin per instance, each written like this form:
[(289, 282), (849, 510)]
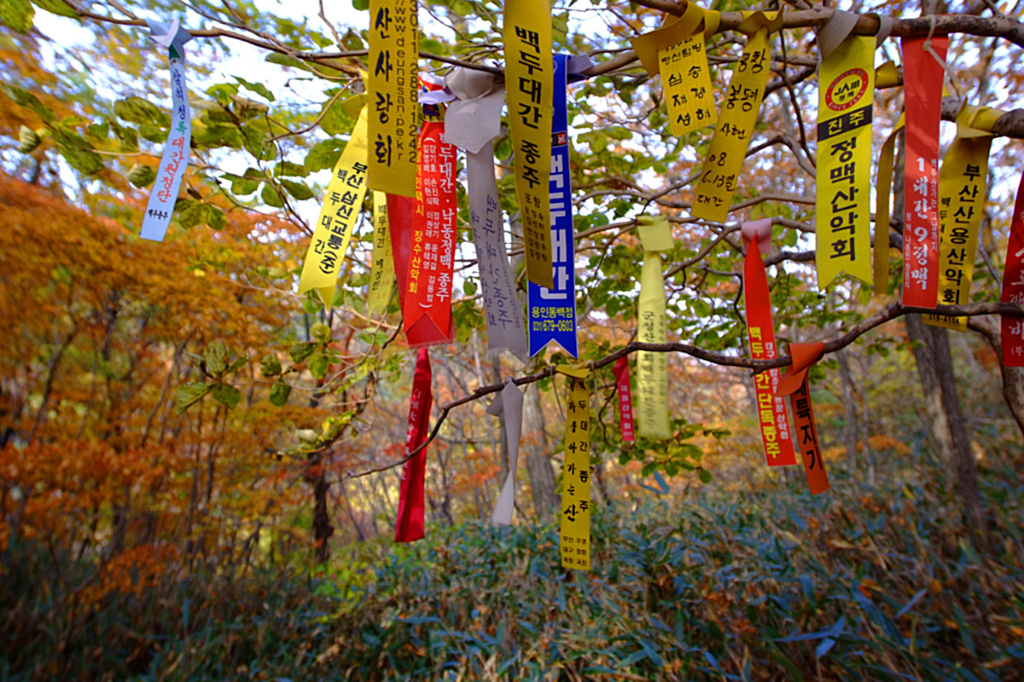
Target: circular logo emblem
[(846, 90)]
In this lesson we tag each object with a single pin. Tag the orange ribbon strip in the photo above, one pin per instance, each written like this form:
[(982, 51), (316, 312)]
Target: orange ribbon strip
[(794, 384)]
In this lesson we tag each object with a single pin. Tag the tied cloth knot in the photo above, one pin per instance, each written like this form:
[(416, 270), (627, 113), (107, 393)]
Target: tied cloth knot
[(794, 384)]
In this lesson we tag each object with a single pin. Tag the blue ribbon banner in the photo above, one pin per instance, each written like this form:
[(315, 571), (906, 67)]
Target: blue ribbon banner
[(552, 312)]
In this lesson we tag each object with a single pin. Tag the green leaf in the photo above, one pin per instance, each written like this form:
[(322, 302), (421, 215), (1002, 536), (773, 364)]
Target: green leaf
[(270, 366), (241, 186), (704, 475), (258, 88), (139, 111), (17, 15), (216, 219), (324, 154), (335, 120), (361, 4), (318, 365), (321, 332), (297, 189), (58, 7), (227, 395), (28, 100), (301, 351), (287, 168), (279, 393), (270, 196), (216, 357), (77, 153), (141, 175), (28, 140), (190, 394)]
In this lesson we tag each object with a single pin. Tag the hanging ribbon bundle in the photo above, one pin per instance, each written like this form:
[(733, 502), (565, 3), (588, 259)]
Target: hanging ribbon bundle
[(776, 435), (393, 83), (962, 181), (922, 78), (411, 498), (794, 384), (472, 121), (508, 405), (652, 368), (552, 309), (728, 150), (338, 217), (676, 52), (574, 524), (161, 202), (845, 99), (621, 371), (1012, 327), (382, 269), (528, 74)]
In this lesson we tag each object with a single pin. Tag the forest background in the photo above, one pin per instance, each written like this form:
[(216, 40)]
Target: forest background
[(199, 467)]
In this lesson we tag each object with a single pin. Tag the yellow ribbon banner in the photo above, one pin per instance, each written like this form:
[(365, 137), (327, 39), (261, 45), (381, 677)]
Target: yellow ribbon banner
[(961, 205), (845, 99), (652, 368), (574, 526), (338, 217), (529, 73), (713, 197), (884, 189), (687, 83), (382, 270), (393, 87)]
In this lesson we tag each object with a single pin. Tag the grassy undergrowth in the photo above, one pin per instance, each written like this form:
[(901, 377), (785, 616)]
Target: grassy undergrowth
[(873, 585)]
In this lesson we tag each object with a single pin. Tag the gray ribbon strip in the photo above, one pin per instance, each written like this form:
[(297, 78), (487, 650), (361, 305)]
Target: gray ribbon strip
[(502, 310), (510, 403)]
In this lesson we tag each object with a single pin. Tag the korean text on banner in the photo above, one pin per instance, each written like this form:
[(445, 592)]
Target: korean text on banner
[(652, 368), (552, 310), (502, 309), (432, 258), (382, 269), (574, 524), (338, 217), (794, 384), (776, 434), (962, 179), (922, 85), (740, 107), (1012, 327), (528, 80), (843, 208), (392, 87), (161, 202), (411, 507), (625, 392)]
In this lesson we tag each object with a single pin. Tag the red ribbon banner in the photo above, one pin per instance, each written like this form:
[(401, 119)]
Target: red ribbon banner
[(427, 309), (771, 409), (922, 85), (411, 507), (1013, 285), (794, 384), (621, 371)]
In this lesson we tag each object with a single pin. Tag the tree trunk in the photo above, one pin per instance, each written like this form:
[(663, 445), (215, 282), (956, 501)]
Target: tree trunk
[(538, 458), (1013, 377), (948, 426)]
